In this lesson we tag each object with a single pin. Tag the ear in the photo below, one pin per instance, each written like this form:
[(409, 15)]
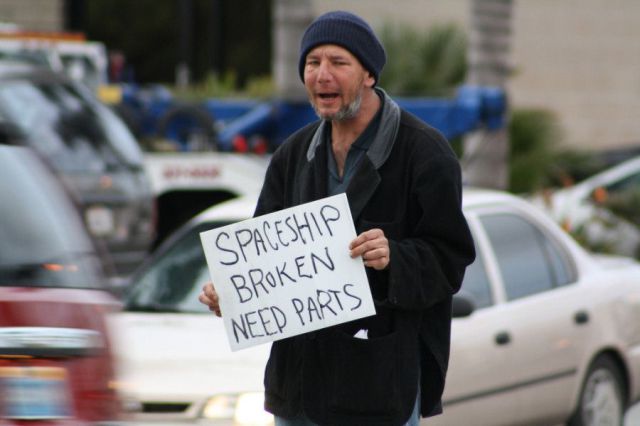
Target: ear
[(369, 80)]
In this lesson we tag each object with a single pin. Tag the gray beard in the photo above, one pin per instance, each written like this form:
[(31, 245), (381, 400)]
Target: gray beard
[(345, 113)]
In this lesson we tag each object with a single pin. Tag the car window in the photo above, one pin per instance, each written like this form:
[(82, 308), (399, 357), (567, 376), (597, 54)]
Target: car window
[(70, 129), (631, 182), (42, 239), (115, 130), (476, 283), (174, 280), (529, 261), (82, 69)]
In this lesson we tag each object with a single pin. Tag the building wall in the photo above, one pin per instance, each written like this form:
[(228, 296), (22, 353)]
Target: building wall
[(36, 15), (417, 13), (578, 58), (581, 59)]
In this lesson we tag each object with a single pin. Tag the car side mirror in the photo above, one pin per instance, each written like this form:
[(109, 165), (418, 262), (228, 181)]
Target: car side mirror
[(462, 306)]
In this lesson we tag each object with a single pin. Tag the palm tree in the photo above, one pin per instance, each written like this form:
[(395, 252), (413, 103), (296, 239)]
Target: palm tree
[(429, 63)]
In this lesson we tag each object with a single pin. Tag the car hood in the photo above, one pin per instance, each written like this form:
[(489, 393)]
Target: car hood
[(166, 357), (610, 261)]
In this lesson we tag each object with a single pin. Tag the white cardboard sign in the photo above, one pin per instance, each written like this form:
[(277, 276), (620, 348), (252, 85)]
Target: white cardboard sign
[(287, 273)]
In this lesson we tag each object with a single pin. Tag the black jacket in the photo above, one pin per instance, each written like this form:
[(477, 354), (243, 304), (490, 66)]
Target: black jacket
[(409, 185)]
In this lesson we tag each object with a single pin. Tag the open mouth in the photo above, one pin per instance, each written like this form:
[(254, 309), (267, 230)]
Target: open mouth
[(327, 96)]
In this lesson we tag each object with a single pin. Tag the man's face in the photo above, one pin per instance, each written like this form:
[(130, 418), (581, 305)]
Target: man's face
[(334, 80)]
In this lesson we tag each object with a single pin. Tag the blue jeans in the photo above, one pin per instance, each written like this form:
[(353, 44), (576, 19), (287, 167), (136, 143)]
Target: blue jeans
[(302, 420)]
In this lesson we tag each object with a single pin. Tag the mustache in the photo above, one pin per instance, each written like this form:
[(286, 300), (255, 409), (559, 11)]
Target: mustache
[(346, 112)]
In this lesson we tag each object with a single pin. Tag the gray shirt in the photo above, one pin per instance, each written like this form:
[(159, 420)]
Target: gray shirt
[(359, 147)]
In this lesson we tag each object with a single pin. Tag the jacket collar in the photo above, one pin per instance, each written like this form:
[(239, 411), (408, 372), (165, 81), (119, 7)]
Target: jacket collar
[(384, 139), (363, 184)]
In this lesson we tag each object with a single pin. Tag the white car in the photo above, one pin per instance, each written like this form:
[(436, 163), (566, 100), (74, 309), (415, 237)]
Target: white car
[(555, 333), (583, 209), (173, 356)]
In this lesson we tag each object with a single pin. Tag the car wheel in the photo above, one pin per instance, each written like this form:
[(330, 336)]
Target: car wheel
[(602, 396), (192, 127)]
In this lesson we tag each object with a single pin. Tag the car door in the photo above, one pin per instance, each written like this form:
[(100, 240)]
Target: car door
[(544, 317), (476, 391)]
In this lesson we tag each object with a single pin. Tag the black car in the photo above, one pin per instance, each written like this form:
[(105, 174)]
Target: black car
[(90, 149)]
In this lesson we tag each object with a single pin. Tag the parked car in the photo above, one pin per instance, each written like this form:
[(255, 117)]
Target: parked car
[(90, 149), (56, 363), (555, 334), (602, 210)]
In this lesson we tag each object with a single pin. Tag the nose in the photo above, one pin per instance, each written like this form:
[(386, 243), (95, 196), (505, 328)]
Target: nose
[(324, 71)]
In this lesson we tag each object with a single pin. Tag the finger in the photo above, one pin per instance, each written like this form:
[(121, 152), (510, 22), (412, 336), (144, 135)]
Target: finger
[(366, 236), (210, 291), (378, 263), (206, 300), (213, 305), (378, 253), (208, 295), (370, 245)]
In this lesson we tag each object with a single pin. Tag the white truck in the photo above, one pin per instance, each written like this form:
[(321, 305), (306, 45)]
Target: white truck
[(185, 183), (68, 52)]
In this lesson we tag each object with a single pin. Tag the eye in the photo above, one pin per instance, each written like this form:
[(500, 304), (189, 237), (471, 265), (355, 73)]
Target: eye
[(341, 62)]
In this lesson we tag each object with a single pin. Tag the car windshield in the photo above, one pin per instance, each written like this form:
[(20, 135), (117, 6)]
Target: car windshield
[(41, 243), (66, 125), (174, 280)]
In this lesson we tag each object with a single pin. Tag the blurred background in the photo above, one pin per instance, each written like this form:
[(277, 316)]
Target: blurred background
[(152, 111), (575, 79)]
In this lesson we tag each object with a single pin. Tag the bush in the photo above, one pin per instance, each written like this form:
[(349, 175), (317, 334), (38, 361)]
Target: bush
[(537, 158), (430, 63), (225, 86), (532, 134)]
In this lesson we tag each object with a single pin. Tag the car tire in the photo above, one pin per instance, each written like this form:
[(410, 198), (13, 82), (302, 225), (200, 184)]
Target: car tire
[(184, 122), (602, 396)]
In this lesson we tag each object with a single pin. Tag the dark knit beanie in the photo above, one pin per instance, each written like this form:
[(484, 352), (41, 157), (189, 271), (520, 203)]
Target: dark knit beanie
[(346, 30)]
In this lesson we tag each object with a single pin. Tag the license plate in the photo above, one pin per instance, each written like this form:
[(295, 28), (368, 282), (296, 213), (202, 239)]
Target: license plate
[(34, 393), (100, 220)]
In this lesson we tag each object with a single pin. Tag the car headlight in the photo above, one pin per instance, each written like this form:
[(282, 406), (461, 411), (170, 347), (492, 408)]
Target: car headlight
[(244, 409), (219, 407), (100, 220)]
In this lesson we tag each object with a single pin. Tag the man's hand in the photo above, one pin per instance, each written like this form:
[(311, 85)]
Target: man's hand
[(209, 297), (373, 246)]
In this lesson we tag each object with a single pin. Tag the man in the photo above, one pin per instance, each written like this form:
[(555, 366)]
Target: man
[(403, 184)]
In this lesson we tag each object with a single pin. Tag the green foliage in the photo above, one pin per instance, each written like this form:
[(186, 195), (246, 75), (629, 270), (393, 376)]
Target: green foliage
[(603, 245), (225, 86), (571, 166), (532, 134), (429, 63), (212, 86), (537, 158)]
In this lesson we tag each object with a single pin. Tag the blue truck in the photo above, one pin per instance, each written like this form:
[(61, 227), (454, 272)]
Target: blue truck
[(239, 125), (219, 148)]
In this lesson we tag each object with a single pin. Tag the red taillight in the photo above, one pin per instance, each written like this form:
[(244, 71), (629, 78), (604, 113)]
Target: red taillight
[(240, 143), (259, 145)]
